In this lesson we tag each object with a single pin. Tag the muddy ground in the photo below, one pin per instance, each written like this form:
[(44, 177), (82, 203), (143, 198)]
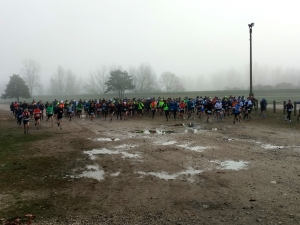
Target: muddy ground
[(153, 171)]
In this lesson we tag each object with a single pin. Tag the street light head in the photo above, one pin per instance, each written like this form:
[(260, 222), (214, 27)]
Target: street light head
[(252, 24)]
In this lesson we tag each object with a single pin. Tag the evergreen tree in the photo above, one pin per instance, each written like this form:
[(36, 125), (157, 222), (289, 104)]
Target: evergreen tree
[(119, 82), (16, 88)]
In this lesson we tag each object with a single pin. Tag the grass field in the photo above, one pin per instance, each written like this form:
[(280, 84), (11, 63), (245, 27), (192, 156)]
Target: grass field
[(270, 95)]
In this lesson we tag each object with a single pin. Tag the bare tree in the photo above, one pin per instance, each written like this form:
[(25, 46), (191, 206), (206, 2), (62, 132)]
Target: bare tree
[(57, 82), (169, 81), (31, 74), (71, 83), (96, 83), (144, 78)]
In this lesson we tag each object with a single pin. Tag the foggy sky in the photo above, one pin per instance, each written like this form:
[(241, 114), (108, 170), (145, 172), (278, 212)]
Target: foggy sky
[(195, 40)]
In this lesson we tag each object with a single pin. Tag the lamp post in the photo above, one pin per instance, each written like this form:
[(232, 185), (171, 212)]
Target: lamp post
[(250, 31)]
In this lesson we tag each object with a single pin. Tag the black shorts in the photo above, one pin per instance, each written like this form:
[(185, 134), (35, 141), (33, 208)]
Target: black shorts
[(59, 117), (25, 122), (49, 115), (36, 118), (69, 113), (79, 111)]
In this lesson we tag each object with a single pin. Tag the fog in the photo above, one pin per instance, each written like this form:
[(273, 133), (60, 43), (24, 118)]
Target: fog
[(205, 43)]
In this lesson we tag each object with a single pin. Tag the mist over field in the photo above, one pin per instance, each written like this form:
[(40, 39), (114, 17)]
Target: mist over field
[(204, 44)]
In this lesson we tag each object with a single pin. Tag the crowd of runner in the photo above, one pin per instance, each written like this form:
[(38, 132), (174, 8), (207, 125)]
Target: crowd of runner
[(202, 107)]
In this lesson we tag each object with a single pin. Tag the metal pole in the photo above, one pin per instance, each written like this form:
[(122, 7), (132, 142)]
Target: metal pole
[(251, 94)]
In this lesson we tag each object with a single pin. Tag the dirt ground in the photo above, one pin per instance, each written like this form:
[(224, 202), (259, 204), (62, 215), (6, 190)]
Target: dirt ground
[(153, 171)]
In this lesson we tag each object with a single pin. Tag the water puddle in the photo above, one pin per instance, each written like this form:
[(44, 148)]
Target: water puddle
[(105, 139), (93, 172), (153, 131), (268, 146), (115, 174), (166, 176), (194, 148), (231, 165), (191, 131), (94, 152), (169, 143)]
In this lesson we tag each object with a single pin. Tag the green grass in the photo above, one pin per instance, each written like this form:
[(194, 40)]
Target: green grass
[(34, 183)]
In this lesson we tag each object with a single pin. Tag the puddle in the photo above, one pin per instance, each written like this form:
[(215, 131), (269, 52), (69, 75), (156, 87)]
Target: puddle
[(231, 165), (191, 131), (93, 172), (105, 139), (268, 146), (115, 174), (94, 152), (166, 176), (194, 148), (153, 131), (169, 143)]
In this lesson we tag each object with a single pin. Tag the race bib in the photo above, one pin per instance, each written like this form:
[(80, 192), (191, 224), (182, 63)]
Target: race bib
[(208, 111)]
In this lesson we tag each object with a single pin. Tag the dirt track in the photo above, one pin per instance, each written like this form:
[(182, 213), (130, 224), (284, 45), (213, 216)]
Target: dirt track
[(145, 171)]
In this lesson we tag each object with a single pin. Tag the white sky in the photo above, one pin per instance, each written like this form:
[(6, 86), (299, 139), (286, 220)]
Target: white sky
[(188, 38)]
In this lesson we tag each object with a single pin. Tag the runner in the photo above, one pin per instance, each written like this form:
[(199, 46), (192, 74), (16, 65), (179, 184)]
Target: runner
[(49, 112), (166, 109), (140, 108), (111, 110), (125, 110), (12, 110), (263, 107), (59, 113), (237, 112), (70, 111), (37, 116), (92, 110), (289, 108), (208, 109), (26, 116), (181, 109), (153, 106), (19, 116)]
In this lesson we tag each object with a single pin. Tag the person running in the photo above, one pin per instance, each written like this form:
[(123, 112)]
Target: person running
[(59, 113), (42, 108), (104, 109), (237, 112), (153, 106), (92, 110), (70, 111), (218, 108), (263, 107), (125, 110), (208, 109), (49, 112), (119, 109), (173, 108), (19, 116), (166, 109), (189, 108), (12, 110), (140, 108), (26, 117), (37, 116), (181, 107), (289, 108), (111, 109), (247, 109)]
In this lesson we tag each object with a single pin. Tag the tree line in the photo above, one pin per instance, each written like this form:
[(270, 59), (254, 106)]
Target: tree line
[(103, 80)]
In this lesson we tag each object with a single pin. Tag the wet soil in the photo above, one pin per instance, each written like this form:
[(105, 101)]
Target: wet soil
[(153, 171)]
